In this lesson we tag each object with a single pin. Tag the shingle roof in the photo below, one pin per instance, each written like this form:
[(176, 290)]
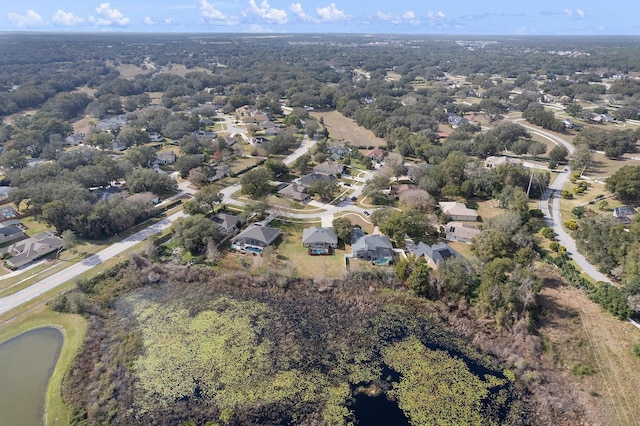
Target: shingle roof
[(319, 235), (264, 234)]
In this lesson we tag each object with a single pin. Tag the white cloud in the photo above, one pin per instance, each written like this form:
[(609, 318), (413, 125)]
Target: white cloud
[(578, 12), (210, 13), (269, 14), (298, 11), (66, 19), (408, 17), (168, 21), (148, 21), (435, 16), (108, 17), (31, 19), (331, 13)]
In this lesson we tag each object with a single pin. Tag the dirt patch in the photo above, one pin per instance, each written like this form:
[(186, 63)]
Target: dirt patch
[(345, 129), (593, 350)]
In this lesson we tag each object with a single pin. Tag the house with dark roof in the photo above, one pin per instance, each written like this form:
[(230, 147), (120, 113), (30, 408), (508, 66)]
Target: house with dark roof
[(376, 248), (329, 167), (308, 179), (34, 248), (229, 223), (10, 233), (295, 192), (74, 139), (319, 240), (337, 151), (166, 157), (255, 238), (624, 211), (436, 253), (456, 121), (458, 231)]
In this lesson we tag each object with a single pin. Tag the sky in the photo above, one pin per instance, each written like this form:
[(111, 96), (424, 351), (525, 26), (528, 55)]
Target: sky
[(478, 17)]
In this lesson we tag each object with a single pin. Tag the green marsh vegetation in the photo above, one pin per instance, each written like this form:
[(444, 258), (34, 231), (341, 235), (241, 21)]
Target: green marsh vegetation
[(170, 345)]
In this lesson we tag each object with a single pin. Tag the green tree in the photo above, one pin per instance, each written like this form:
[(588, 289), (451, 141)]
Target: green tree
[(625, 183), (204, 201), (141, 156), (13, 160), (343, 228), (143, 180), (326, 189), (193, 233), (256, 182), (418, 280)]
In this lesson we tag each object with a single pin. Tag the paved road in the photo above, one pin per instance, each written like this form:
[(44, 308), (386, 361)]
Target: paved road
[(23, 296), (553, 215)]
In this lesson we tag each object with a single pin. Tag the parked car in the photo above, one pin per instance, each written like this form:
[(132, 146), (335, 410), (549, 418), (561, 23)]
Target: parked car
[(366, 213)]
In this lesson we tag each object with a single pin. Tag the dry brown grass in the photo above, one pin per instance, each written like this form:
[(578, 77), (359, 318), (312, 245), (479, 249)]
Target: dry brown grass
[(345, 129), (580, 334)]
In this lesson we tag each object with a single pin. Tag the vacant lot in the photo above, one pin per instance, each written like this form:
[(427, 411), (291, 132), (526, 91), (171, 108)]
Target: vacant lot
[(594, 350), (345, 129)]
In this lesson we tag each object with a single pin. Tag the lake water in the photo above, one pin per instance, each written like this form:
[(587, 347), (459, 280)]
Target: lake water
[(26, 364)]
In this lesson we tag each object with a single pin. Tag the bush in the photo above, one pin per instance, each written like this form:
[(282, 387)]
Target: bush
[(548, 233), (566, 194), (554, 246), (578, 211), (636, 350)]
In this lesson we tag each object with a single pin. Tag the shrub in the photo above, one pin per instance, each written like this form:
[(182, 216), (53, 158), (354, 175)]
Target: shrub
[(566, 194), (548, 233), (636, 350)]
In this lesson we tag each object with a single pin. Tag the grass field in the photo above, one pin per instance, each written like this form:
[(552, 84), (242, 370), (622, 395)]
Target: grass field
[(345, 129), (594, 350)]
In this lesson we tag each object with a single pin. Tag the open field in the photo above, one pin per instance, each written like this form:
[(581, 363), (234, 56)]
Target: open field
[(594, 350), (129, 71), (345, 129)]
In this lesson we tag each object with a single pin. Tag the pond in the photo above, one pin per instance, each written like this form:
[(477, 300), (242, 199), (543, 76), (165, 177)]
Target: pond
[(26, 364)]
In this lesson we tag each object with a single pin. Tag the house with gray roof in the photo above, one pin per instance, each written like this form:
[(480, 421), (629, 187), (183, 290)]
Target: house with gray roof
[(10, 233), (319, 240), (329, 167), (436, 253), (376, 248), (34, 248), (255, 238), (166, 157), (295, 192), (308, 179), (229, 223)]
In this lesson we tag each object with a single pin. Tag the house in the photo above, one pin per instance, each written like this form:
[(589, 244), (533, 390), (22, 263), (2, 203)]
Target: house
[(458, 231), (4, 192), (435, 254), (228, 222), (319, 240), (295, 192), (568, 124), (144, 198), (205, 134), (456, 121), (624, 211), (220, 171), (398, 189), (272, 131), (375, 155), (10, 233), (111, 123), (117, 145), (376, 248), (255, 238), (458, 211), (337, 152), (74, 139), (156, 137), (34, 248), (329, 167), (308, 179), (493, 162), (166, 157)]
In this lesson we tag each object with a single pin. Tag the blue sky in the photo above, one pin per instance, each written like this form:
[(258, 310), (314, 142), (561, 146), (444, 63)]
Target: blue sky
[(506, 17)]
